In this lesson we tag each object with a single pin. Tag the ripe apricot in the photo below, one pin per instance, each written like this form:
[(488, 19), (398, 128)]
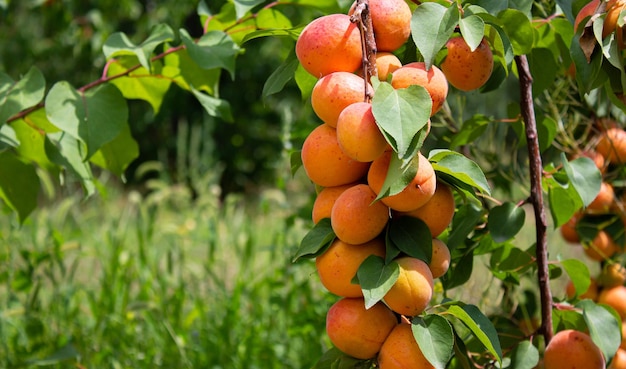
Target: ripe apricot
[(421, 188), (401, 350), (623, 343), (619, 360), (613, 274), (334, 92), (386, 63), (612, 145), (357, 331), (413, 290), (330, 43), (568, 229), (325, 200), (613, 10), (338, 265), (601, 247), (615, 297), (325, 163), (586, 11), (572, 349), (358, 135), (391, 20), (437, 212), (440, 260), (433, 80), (591, 293), (604, 201), (356, 218), (465, 69)]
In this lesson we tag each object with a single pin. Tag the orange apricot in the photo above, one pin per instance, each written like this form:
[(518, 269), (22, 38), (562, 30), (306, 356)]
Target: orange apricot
[(357, 331), (330, 43), (338, 265), (568, 229), (334, 92), (325, 200), (437, 212), (619, 360), (601, 247), (603, 202), (615, 297), (325, 163), (613, 10), (612, 145), (440, 259), (421, 188), (623, 343), (391, 20), (591, 293), (358, 134), (356, 218), (413, 290), (401, 350), (433, 80), (386, 63), (613, 274), (465, 69), (572, 349)]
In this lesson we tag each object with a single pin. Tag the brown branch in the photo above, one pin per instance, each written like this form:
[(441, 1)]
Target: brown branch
[(361, 16), (536, 194)]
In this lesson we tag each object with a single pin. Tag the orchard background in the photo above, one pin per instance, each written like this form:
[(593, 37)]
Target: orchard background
[(154, 202)]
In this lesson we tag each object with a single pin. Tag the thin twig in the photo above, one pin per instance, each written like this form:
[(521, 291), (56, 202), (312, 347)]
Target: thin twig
[(361, 16)]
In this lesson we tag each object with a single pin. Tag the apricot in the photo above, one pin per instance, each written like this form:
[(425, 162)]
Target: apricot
[(325, 163), (391, 20), (613, 274), (623, 343), (334, 92), (612, 145), (356, 218), (572, 349), (330, 43), (613, 10), (465, 69), (601, 247), (358, 135), (433, 80), (440, 259), (357, 331), (386, 63), (338, 265), (615, 297), (400, 350), (619, 360), (437, 212), (591, 293), (568, 229), (325, 200), (604, 201), (421, 188), (586, 11), (413, 290)]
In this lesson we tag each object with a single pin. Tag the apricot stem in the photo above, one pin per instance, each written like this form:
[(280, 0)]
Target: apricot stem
[(362, 17), (536, 194)]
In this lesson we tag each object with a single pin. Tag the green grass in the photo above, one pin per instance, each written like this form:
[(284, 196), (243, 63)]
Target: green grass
[(128, 281)]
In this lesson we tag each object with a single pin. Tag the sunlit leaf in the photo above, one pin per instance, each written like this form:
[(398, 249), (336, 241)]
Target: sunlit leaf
[(579, 275), (605, 328), (585, 176), (244, 6), (69, 152), (19, 184), (505, 221), (460, 168), (432, 25), (119, 44), (17, 96), (435, 337), (525, 356), (215, 107), (283, 74), (519, 29), (480, 326), (376, 278), (117, 154), (473, 29), (215, 49), (316, 240)]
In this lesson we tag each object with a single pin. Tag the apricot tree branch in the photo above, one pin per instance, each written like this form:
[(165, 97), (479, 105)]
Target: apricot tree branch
[(361, 16), (536, 194)]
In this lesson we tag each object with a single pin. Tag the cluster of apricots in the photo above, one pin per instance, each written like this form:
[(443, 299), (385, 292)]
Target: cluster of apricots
[(347, 157)]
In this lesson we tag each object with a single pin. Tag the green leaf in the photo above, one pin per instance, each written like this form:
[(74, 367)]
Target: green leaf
[(473, 30), (564, 202), (316, 240), (213, 106), (547, 129), (411, 236), (505, 221), (524, 356), (470, 130), (460, 168), (376, 278), (215, 49), (578, 273), (8, 138), (117, 154), (335, 359), (270, 18), (432, 25), (604, 328), (519, 29), (401, 114), (244, 6), (305, 82), (68, 152), (480, 326), (17, 96), (291, 33), (184, 71), (19, 185), (568, 319), (459, 272), (543, 68), (65, 353), (283, 74), (30, 133), (584, 175), (118, 44), (435, 337), (94, 117), (465, 220), (398, 176)]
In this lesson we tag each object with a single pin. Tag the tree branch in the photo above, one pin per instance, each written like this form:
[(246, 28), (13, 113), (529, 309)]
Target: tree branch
[(536, 194), (361, 16)]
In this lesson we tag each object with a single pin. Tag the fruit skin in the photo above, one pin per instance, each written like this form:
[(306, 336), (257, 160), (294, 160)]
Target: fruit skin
[(604, 201), (433, 80), (570, 349), (325, 200), (591, 293), (612, 145), (386, 63), (568, 229), (325, 163), (356, 218), (401, 351), (357, 331), (613, 10), (418, 192), (440, 259), (612, 275), (615, 297), (334, 92), (358, 135), (330, 43), (601, 247), (413, 290), (391, 20), (437, 212), (619, 360), (465, 69), (338, 265)]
